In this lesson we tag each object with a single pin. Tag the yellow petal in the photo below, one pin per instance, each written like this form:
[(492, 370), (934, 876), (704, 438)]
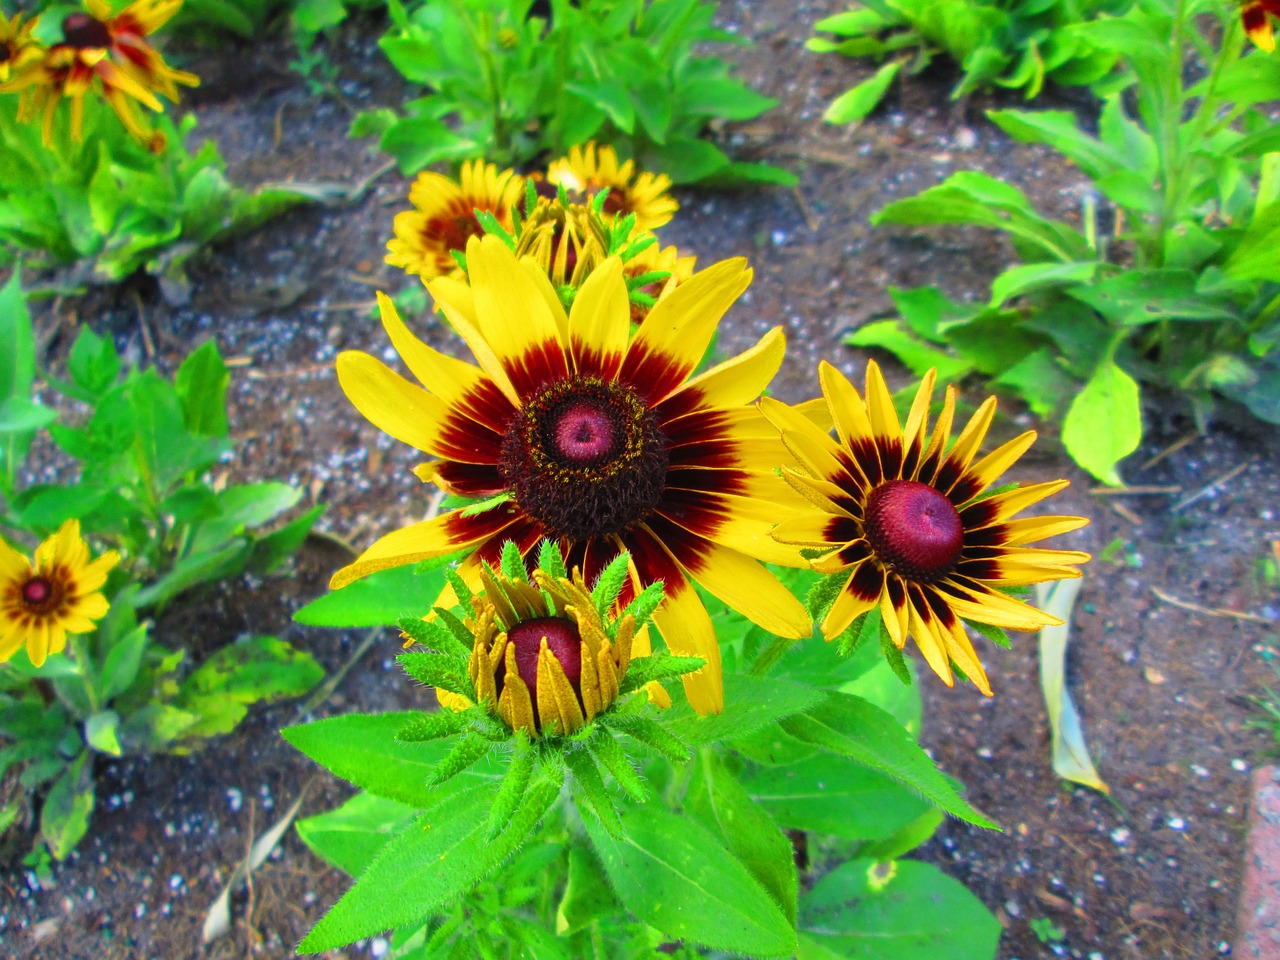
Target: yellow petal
[(687, 630), (746, 586), (741, 379), (600, 321)]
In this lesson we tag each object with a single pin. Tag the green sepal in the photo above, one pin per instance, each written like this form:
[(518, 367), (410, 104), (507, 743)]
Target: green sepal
[(824, 593), (637, 247), (484, 506), (460, 259), (644, 279), (597, 202), (433, 635), (659, 666), (431, 726), (993, 633), (515, 783), (642, 299), (512, 563), (893, 656), (586, 776), (862, 629), (465, 753), (605, 592), (609, 752), (440, 671), (551, 561), (455, 625), (989, 493), (644, 604), (491, 225), (460, 588), (652, 735), (530, 198)]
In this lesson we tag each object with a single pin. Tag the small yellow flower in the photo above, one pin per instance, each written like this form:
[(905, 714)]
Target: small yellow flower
[(908, 523), (444, 217), (60, 593), (543, 660), (591, 168)]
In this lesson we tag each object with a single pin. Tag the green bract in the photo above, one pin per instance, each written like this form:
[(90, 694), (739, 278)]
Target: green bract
[(462, 851), (1183, 295), (510, 87)]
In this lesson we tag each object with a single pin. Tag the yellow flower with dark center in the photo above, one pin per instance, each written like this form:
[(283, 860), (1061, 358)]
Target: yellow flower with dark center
[(18, 48), (904, 519), (596, 440), (444, 218), (1256, 16), (590, 169), (542, 659), (60, 593), (113, 51)]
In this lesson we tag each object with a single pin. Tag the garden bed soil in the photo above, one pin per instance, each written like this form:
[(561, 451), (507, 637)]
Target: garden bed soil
[(1167, 632)]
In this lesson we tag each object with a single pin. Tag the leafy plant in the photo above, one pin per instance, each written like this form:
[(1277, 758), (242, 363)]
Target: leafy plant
[(144, 455), (509, 86), (113, 207), (808, 741), (1019, 45), (1185, 296)]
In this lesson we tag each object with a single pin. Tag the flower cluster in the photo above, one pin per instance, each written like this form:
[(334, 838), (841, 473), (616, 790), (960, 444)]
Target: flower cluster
[(101, 52), (581, 428), (585, 208)]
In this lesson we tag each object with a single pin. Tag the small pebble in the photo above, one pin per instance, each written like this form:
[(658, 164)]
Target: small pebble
[(1121, 835), (378, 947), (985, 753), (1177, 823), (175, 882), (1239, 766), (235, 799), (1198, 770)]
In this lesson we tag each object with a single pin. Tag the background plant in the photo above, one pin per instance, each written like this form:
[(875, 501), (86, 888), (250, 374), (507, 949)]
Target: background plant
[(1021, 45), (511, 87), (144, 456), (1183, 294), (808, 742)]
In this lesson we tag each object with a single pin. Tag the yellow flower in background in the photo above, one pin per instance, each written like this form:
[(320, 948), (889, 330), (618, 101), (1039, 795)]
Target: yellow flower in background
[(590, 169), (652, 260), (595, 439), (17, 46), (566, 242), (113, 52), (1256, 16), (542, 657), (905, 520), (444, 219), (60, 593)]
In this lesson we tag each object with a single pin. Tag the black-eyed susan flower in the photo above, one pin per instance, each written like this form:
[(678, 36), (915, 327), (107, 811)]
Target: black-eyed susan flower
[(60, 593), (590, 169), (18, 47), (1256, 16), (111, 51), (444, 217), (576, 432), (908, 525)]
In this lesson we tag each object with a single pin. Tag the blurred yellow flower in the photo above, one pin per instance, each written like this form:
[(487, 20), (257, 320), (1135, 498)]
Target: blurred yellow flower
[(592, 168)]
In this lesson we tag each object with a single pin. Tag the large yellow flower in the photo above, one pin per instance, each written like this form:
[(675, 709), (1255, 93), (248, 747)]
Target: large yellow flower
[(113, 50), (444, 217), (905, 519), (598, 441), (60, 593), (591, 168)]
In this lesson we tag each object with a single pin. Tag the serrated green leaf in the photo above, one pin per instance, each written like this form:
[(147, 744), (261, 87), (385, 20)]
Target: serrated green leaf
[(351, 836), (467, 751), (1103, 425), (855, 728), (590, 785), (750, 703), (610, 583), (658, 666), (438, 670), (431, 726), (515, 783), (609, 752), (434, 635), (664, 864), (549, 557)]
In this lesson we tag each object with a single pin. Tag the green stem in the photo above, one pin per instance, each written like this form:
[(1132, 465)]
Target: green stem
[(1168, 142), (79, 643)]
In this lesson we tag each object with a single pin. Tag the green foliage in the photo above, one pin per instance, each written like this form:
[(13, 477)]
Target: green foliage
[(1184, 297), (112, 207), (894, 911), (510, 87), (1019, 45), (143, 455)]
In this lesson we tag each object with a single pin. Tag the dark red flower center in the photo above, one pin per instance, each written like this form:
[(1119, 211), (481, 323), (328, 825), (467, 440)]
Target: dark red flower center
[(84, 32), (586, 458), (914, 529), (40, 594), (452, 232), (563, 640)]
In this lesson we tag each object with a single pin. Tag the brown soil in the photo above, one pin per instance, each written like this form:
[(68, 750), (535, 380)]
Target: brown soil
[(1152, 872)]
